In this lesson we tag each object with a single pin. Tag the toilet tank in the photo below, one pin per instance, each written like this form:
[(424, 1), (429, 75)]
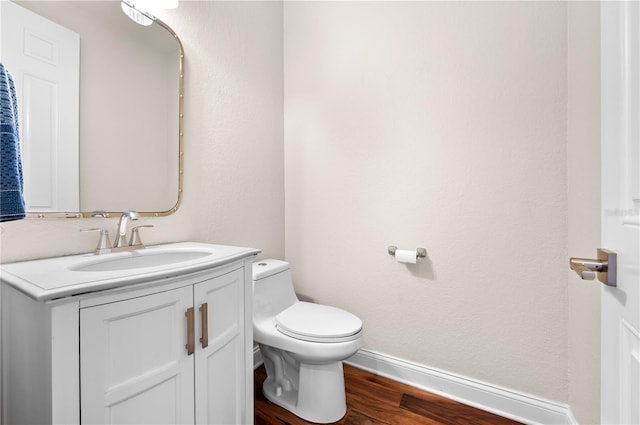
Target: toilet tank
[(272, 287)]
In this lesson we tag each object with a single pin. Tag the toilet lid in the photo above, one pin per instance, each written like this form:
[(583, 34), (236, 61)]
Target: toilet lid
[(318, 323)]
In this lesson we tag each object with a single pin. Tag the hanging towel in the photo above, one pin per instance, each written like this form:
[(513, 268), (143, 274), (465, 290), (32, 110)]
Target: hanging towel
[(11, 198)]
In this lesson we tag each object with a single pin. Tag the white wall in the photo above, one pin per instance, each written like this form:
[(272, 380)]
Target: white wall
[(439, 125), (234, 187), (583, 172)]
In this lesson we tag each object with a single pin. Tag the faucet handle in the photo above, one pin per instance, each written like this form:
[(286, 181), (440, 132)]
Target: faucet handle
[(104, 244), (135, 235)]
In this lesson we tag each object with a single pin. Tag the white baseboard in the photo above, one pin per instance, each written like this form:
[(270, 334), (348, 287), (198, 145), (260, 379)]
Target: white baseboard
[(491, 398), (504, 402)]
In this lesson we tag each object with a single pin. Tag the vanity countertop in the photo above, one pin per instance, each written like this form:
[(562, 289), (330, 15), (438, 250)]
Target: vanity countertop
[(59, 277)]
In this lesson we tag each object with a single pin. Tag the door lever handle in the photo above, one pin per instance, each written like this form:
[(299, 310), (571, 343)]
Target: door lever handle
[(584, 267), (604, 267)]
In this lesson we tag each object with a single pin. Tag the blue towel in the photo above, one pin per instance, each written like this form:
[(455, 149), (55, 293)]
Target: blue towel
[(11, 198)]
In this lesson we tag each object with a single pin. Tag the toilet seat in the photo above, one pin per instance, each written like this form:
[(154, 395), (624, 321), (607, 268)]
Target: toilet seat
[(318, 323)]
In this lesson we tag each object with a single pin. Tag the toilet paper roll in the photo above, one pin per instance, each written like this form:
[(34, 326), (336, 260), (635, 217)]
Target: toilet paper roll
[(406, 256)]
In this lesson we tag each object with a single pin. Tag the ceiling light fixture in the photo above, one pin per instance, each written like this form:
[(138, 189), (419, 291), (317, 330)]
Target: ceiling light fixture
[(139, 10)]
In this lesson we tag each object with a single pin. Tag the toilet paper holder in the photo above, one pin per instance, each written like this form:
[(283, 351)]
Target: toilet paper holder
[(420, 252)]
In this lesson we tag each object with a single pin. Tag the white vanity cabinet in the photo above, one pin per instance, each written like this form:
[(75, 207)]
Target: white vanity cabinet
[(178, 350)]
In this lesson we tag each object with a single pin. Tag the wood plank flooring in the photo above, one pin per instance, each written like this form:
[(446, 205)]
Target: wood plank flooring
[(374, 400)]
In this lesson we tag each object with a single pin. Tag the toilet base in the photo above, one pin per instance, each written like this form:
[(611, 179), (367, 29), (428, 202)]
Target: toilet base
[(319, 396)]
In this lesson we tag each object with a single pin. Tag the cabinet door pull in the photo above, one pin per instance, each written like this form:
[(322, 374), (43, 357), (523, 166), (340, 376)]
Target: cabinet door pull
[(204, 310), (191, 339)]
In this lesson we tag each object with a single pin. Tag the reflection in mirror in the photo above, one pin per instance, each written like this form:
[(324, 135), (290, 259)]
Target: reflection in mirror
[(128, 109)]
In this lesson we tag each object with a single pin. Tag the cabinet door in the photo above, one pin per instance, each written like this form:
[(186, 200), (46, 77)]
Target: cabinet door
[(220, 366), (134, 367)]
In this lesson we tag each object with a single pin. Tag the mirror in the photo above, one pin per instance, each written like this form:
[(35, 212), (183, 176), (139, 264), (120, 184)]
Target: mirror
[(129, 114)]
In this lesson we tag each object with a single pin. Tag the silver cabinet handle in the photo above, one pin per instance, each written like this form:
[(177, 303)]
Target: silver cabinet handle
[(204, 310), (191, 339)]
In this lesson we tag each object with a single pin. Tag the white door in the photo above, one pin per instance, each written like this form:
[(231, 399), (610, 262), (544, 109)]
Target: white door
[(220, 360), (620, 330), (44, 60), (134, 367)]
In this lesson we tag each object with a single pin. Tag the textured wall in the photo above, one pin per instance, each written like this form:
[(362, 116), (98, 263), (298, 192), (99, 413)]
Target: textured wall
[(439, 125), (583, 173), (233, 140)]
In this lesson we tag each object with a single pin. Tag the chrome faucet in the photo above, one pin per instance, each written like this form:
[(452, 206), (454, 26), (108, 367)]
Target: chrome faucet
[(120, 243), (121, 236)]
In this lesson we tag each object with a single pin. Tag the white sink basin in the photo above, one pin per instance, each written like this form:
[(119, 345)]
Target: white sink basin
[(60, 277), (139, 259)]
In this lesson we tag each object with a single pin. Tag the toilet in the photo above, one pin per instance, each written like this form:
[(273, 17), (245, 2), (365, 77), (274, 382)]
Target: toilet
[(303, 345)]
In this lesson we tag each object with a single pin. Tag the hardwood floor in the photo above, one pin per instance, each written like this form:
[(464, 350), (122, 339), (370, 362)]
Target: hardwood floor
[(374, 400)]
